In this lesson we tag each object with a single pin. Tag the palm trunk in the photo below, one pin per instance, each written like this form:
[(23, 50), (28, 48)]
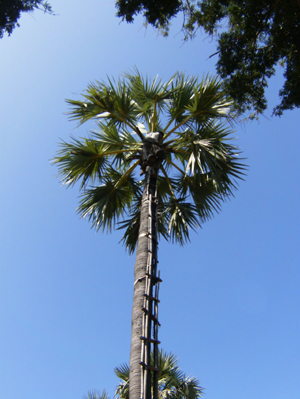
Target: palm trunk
[(144, 309)]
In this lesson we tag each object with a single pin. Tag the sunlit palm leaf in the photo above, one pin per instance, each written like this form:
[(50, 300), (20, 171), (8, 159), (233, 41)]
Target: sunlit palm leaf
[(112, 102), (104, 205), (207, 100), (188, 389), (118, 143), (182, 216), (207, 150), (150, 98), (132, 225), (182, 92), (81, 161), (122, 372), (202, 190), (114, 139)]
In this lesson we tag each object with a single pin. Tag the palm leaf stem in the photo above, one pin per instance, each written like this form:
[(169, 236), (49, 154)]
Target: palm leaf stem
[(112, 153), (170, 123), (182, 151), (130, 125), (181, 123), (168, 180), (103, 140), (154, 117), (177, 167), (135, 128), (138, 132), (169, 142), (127, 173), (126, 122)]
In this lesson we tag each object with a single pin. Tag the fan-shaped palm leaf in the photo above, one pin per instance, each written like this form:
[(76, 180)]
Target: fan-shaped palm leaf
[(132, 225), (173, 382), (149, 97), (112, 101), (103, 205), (81, 160)]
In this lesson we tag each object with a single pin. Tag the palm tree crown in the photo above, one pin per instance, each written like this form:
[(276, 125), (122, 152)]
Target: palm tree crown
[(198, 167)]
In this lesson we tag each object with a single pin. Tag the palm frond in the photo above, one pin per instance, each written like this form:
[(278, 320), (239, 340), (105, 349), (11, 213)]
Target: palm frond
[(112, 101), (189, 388), (207, 150), (105, 204), (172, 381), (182, 216), (84, 160), (207, 100), (113, 138), (165, 189), (132, 225), (181, 96), (202, 189), (150, 97), (122, 372), (118, 143)]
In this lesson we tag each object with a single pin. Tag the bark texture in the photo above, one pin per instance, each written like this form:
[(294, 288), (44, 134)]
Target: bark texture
[(137, 387)]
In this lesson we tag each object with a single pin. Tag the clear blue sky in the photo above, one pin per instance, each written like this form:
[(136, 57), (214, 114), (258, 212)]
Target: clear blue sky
[(229, 300)]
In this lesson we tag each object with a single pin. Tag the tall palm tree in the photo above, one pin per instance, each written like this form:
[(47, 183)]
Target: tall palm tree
[(172, 134), (172, 382)]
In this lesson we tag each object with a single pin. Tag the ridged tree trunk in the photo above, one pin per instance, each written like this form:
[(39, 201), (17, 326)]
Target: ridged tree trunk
[(144, 280)]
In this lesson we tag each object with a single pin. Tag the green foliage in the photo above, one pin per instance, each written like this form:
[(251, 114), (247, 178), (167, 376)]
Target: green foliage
[(254, 38), (172, 382), (10, 12), (105, 204), (155, 12), (199, 170)]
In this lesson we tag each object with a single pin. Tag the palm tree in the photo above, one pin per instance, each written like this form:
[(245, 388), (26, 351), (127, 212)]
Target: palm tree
[(172, 382), (174, 135)]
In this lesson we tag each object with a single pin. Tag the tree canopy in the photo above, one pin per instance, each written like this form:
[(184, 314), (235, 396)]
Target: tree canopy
[(254, 38), (10, 12), (196, 142)]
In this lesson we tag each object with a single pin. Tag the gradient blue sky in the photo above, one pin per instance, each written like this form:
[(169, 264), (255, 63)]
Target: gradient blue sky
[(229, 300)]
